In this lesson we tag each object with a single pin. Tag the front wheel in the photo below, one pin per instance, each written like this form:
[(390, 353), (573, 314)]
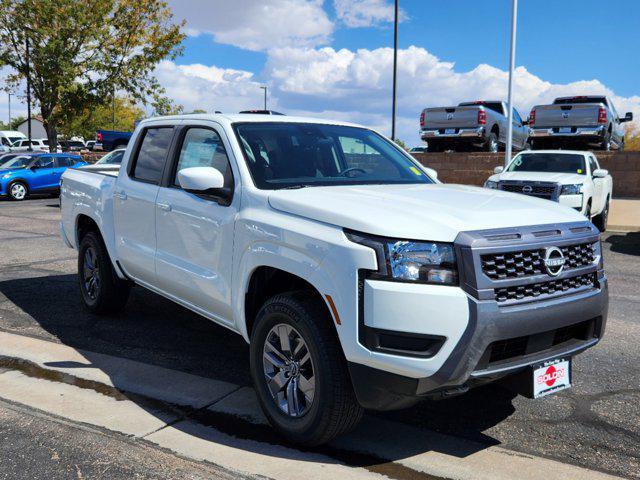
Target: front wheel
[(102, 291), (299, 371), (600, 220), (18, 191)]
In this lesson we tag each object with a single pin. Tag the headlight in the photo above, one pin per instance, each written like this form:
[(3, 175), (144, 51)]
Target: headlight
[(411, 261), (5, 176), (571, 189), (491, 184)]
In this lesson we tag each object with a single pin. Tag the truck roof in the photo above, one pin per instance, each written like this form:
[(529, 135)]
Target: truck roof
[(247, 117)]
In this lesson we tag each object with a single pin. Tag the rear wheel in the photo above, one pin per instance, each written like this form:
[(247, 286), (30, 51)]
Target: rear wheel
[(491, 144), (601, 219), (18, 191), (102, 291), (299, 371), (606, 143)]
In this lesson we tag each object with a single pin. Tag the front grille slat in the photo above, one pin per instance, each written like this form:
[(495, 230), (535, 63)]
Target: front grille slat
[(533, 290), (546, 191)]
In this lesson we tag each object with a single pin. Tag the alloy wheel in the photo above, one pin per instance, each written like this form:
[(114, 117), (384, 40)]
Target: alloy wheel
[(91, 273), (18, 191), (289, 370)]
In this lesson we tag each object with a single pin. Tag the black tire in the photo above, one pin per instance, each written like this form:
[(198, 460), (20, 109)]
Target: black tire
[(528, 145), (600, 220), (491, 144), (606, 143), (333, 410), (103, 292), (434, 148), (587, 212), (18, 190)]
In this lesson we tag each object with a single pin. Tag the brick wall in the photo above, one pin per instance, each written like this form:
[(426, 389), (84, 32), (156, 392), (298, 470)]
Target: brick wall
[(475, 168)]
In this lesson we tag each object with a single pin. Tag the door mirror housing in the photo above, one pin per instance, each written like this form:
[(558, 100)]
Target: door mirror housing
[(499, 169), (201, 180), (600, 173), (431, 172), (627, 118)]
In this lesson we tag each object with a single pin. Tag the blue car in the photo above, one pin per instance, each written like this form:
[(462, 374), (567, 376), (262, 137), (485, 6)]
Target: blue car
[(35, 173)]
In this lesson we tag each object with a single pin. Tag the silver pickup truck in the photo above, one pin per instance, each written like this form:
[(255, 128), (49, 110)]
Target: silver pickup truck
[(583, 121), (481, 124)]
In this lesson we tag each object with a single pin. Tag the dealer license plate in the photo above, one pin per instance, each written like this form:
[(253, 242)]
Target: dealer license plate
[(565, 130), (449, 131), (551, 377)]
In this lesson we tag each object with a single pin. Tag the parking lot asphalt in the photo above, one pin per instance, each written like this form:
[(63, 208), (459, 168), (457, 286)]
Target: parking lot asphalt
[(596, 424)]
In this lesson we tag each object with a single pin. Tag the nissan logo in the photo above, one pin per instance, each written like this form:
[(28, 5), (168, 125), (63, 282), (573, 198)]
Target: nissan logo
[(527, 189), (554, 261)]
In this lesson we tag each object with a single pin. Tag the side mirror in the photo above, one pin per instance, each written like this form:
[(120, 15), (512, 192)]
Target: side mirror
[(431, 172), (202, 180), (627, 118), (498, 169), (600, 173)]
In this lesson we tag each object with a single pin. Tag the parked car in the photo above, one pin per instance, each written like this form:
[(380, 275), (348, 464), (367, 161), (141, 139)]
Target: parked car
[(9, 137), (481, 124), (72, 145), (111, 161), (37, 145), (419, 149), (359, 281), (37, 173), (90, 144), (584, 121), (111, 139), (572, 178)]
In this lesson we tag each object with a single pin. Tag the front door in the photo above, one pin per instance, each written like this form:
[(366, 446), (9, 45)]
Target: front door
[(42, 176), (194, 231), (597, 203), (134, 204)]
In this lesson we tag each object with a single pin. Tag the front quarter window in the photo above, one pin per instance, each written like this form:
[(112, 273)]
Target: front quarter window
[(292, 155)]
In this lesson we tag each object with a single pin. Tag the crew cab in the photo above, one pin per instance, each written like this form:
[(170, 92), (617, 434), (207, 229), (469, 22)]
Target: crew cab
[(481, 124), (589, 121), (571, 178), (35, 173), (358, 279)]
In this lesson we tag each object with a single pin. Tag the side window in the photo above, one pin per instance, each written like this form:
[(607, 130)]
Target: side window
[(43, 162), (5, 141), (203, 147), (64, 162), (152, 154), (517, 117)]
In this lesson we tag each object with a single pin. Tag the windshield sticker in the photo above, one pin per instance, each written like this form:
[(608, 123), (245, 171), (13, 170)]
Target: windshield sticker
[(415, 170), (517, 162), (579, 170)]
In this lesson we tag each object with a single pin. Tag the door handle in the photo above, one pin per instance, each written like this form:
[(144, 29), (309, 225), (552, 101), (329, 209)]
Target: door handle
[(164, 206), (120, 195)]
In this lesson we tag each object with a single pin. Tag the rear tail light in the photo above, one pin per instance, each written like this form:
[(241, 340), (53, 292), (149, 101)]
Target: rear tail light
[(532, 117), (482, 117), (422, 119), (99, 137), (602, 115)]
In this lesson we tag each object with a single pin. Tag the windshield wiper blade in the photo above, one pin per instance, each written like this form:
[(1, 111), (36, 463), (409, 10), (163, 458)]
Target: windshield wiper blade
[(294, 187)]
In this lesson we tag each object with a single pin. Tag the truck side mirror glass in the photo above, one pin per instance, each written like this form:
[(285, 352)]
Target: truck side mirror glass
[(201, 179), (627, 118), (600, 173), (498, 169)]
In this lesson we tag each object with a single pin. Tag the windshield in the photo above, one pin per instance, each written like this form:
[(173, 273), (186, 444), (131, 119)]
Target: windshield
[(14, 139), (112, 158), (17, 162), (293, 155), (548, 162)]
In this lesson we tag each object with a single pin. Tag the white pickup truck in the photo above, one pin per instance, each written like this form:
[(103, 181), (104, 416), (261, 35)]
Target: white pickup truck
[(571, 178), (358, 279)]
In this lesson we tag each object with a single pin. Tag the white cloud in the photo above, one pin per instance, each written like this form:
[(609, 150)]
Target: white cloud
[(356, 86), (365, 13), (257, 24)]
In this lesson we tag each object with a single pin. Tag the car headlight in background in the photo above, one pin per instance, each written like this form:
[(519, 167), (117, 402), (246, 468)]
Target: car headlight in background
[(491, 184), (411, 261), (574, 189)]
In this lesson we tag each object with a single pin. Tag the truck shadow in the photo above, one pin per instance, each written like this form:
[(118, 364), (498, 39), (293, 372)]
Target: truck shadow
[(155, 331), (628, 243)]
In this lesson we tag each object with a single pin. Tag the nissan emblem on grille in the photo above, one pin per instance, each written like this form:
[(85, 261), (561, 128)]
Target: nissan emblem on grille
[(553, 261), (527, 189)]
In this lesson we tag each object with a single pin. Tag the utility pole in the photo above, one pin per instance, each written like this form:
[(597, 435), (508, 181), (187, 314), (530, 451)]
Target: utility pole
[(29, 148), (395, 71), (512, 61), (9, 94), (113, 108), (265, 96)]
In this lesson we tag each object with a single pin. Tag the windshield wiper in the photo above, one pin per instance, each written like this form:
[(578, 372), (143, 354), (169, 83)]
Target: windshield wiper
[(294, 187)]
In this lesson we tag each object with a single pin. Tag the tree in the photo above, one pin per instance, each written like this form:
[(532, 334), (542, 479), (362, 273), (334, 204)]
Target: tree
[(101, 118), (632, 137), (163, 105), (15, 121), (401, 144), (82, 51)]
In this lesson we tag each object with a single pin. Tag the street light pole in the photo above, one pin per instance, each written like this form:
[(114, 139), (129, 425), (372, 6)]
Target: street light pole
[(9, 124), (29, 148), (265, 96), (395, 71), (512, 60)]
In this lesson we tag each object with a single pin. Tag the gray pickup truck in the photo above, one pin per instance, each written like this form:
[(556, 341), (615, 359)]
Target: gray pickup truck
[(481, 124), (583, 121)]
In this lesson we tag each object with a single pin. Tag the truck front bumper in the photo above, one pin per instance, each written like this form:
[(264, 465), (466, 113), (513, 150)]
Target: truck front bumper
[(497, 342)]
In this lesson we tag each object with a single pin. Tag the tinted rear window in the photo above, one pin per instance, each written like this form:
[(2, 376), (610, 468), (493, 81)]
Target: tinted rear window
[(566, 101), (152, 154)]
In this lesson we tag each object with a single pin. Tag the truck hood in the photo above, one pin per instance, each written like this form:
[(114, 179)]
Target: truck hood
[(562, 178), (423, 212)]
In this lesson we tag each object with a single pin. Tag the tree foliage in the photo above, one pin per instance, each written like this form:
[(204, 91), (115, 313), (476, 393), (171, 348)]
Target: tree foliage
[(101, 118), (82, 51), (15, 121), (632, 137)]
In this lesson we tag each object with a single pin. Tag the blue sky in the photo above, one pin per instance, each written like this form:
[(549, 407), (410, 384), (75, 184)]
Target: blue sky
[(332, 58)]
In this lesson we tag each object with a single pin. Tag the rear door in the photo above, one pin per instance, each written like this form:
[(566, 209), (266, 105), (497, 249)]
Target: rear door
[(61, 164), (195, 231), (134, 203)]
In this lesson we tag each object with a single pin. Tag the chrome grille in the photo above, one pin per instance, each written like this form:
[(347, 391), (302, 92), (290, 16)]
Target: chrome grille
[(519, 264), (534, 290)]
